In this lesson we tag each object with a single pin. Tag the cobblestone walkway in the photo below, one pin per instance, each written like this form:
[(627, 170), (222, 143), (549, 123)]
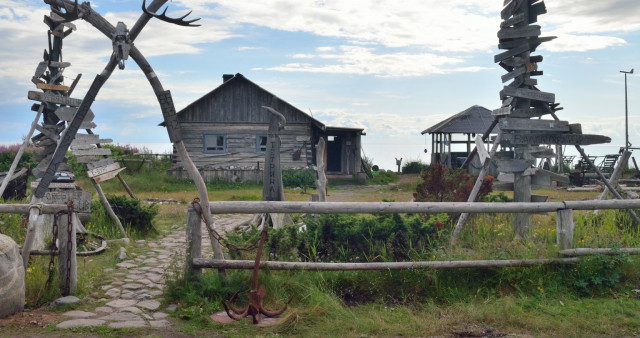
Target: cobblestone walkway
[(133, 292)]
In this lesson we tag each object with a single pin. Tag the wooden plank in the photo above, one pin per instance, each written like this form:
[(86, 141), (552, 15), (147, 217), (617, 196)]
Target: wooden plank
[(512, 166), (531, 42), (510, 9), (67, 113), (82, 146), (85, 159), (60, 64), (52, 98), (517, 82), (519, 32), (482, 149), (528, 112), (564, 229), (93, 152), (521, 124), (88, 141), (575, 128), (507, 102), (42, 67), (87, 125), (530, 82), (535, 10), (47, 86), (516, 19), (86, 136), (516, 72), (107, 176), (81, 198), (504, 111), (100, 163), (554, 138), (48, 133), (519, 49), (103, 170), (527, 94), (542, 153)]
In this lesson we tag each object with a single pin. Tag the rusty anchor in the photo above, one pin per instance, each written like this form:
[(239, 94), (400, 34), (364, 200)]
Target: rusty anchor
[(257, 294)]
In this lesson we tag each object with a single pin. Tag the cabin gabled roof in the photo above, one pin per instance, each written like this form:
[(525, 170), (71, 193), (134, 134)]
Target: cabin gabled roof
[(474, 120), (232, 80)]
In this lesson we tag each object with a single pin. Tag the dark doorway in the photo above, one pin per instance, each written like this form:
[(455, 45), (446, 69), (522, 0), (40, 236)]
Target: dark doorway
[(334, 154)]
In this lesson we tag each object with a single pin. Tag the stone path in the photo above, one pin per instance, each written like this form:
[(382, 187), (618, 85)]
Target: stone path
[(133, 289)]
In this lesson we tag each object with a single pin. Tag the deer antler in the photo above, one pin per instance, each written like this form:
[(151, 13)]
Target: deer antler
[(178, 21), (68, 15)]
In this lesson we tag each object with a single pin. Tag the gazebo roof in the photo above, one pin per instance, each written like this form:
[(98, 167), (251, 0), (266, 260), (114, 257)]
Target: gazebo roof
[(474, 120)]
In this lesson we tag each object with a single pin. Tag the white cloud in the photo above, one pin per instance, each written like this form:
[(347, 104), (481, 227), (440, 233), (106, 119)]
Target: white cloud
[(582, 43), (364, 61)]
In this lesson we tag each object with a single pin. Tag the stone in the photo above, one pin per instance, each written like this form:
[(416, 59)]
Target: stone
[(131, 309), (12, 288), (120, 303), (104, 309), (78, 314), (122, 255), (113, 293), (146, 316), (159, 323), (143, 296), (155, 293), (125, 265), (66, 301), (132, 286), (122, 317), (128, 324), (128, 295), (149, 304), (172, 307), (160, 315), (108, 270), (70, 324)]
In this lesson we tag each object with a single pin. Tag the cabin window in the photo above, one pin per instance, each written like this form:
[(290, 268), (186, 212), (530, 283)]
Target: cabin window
[(261, 143), (215, 143)]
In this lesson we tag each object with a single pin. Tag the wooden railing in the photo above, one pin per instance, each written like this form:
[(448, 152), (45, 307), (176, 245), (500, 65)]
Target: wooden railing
[(564, 225)]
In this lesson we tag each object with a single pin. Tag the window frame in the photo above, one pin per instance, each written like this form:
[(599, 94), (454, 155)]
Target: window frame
[(258, 145), (209, 151)]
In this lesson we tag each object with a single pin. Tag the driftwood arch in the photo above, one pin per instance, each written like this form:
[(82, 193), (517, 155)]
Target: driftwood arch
[(73, 11)]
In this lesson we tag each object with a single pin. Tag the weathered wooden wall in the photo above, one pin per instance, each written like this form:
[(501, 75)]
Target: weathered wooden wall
[(241, 150)]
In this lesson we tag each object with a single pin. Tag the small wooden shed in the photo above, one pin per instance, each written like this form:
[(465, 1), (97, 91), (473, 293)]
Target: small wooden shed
[(225, 133), (460, 130)]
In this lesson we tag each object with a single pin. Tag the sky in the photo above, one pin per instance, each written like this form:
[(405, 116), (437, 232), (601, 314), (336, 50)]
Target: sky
[(392, 67)]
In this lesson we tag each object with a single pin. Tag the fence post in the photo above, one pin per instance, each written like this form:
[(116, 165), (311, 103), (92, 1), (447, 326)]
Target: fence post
[(67, 264), (194, 240), (564, 228)]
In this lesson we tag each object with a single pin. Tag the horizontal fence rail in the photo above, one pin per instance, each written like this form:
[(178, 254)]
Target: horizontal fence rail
[(25, 208), (414, 207), (314, 266)]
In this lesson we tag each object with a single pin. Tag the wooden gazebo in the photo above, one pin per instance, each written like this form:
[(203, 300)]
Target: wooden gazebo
[(472, 121)]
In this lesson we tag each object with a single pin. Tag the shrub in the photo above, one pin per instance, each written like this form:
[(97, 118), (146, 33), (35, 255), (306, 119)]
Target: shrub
[(597, 273), (383, 177), (8, 153), (302, 178), (414, 167), (133, 213), (440, 184)]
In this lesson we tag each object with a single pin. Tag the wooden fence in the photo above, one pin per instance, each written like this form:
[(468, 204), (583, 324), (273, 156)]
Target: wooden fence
[(564, 223)]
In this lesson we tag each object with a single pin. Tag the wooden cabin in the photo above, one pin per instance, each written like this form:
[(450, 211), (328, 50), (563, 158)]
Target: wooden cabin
[(225, 133), (454, 138)]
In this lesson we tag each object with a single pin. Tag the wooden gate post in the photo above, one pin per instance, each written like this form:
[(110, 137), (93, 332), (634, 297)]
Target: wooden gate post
[(194, 240), (564, 229), (67, 264), (521, 193)]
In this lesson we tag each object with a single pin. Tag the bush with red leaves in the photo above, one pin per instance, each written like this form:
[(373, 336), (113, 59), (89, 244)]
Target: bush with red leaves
[(440, 184)]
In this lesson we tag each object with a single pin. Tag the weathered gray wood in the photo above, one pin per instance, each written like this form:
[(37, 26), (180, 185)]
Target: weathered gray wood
[(59, 64), (516, 19), (81, 199), (516, 50), (34, 210), (53, 98), (476, 188), (617, 173), (48, 133), (512, 166), (527, 112), (536, 10), (321, 183), (521, 193), (564, 229), (67, 263), (67, 113), (519, 32), (532, 42), (504, 111), (519, 124), (527, 94), (273, 190), (309, 266), (93, 152), (108, 175), (103, 169), (77, 142), (170, 116), (553, 138), (48, 86), (85, 159), (511, 75), (194, 241), (510, 8), (100, 163), (482, 150), (599, 251)]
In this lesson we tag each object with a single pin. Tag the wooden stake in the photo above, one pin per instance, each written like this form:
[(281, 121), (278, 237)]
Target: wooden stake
[(321, 183), (564, 229), (194, 240), (67, 262)]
